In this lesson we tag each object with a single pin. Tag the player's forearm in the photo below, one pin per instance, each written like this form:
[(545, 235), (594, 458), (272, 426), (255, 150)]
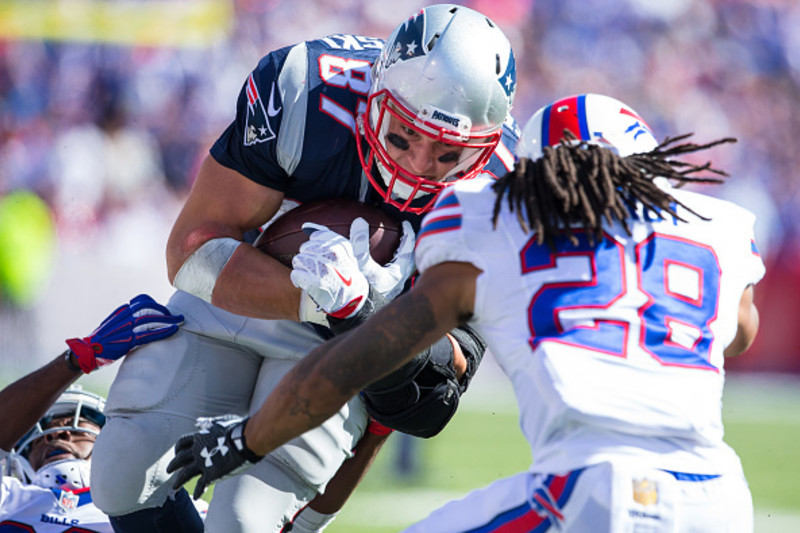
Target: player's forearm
[(205, 253), (253, 284), (748, 325), (304, 399), (323, 381), (238, 278), (27, 399)]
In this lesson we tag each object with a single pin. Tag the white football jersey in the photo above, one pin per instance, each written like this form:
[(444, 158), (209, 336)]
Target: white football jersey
[(614, 350), (33, 508)]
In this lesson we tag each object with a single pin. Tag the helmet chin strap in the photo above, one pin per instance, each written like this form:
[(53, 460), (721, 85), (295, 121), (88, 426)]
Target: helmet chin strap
[(68, 474)]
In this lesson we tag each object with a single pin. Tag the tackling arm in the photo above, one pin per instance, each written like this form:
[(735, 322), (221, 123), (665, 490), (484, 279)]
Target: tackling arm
[(138, 322), (324, 380), (330, 375), (205, 255), (32, 395)]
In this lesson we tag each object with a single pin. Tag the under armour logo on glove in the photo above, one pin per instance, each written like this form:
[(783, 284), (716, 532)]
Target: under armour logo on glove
[(215, 452), (133, 324), (219, 448)]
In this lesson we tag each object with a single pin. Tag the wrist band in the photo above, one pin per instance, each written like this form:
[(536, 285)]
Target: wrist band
[(68, 361), (240, 443), (376, 428)]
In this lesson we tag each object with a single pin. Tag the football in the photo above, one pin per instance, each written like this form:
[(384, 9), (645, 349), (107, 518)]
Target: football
[(282, 238)]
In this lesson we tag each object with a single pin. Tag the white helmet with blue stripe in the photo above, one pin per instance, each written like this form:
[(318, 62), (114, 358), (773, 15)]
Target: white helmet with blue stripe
[(593, 118)]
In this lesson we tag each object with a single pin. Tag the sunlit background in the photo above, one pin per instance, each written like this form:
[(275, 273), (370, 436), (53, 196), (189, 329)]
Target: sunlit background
[(107, 107)]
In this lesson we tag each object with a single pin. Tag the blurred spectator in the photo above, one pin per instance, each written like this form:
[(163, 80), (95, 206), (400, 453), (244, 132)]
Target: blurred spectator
[(27, 240), (27, 243)]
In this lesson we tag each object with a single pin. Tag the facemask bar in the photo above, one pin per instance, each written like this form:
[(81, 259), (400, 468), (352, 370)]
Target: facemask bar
[(399, 187), (74, 403)]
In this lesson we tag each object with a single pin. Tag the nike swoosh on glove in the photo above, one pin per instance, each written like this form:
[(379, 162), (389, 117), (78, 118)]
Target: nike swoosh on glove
[(217, 451), (388, 280), (327, 272), (138, 322)]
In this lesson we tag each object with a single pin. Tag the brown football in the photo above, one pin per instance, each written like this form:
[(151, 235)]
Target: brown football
[(283, 237)]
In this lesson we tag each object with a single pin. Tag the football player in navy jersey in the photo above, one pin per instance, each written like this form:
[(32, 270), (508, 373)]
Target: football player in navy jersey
[(610, 298), (388, 124)]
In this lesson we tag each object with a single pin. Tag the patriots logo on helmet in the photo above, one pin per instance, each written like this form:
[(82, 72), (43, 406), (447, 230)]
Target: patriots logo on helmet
[(509, 78), (257, 128), (408, 42)]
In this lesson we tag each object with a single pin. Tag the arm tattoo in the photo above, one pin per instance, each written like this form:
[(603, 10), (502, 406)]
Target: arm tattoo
[(346, 364), (300, 404), (379, 348)]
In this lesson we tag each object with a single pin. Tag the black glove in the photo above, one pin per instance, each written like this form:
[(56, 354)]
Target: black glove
[(218, 450)]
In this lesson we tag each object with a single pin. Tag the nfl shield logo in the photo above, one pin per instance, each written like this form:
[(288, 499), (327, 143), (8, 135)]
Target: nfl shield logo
[(68, 501), (645, 491)]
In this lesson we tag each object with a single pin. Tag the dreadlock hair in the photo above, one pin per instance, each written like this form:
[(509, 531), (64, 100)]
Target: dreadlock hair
[(576, 185)]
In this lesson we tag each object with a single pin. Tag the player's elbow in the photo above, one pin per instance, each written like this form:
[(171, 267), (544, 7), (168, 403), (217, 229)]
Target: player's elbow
[(179, 247)]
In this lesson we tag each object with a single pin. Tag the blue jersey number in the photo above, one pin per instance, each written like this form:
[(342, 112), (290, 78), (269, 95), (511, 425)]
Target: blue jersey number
[(678, 278)]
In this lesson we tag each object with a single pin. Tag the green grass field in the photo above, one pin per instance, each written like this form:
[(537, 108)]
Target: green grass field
[(482, 443)]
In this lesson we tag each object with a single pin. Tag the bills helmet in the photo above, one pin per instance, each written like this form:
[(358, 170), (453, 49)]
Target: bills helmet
[(73, 473), (447, 73), (593, 118)]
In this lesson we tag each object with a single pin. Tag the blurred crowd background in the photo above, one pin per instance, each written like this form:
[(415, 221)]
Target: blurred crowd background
[(102, 128)]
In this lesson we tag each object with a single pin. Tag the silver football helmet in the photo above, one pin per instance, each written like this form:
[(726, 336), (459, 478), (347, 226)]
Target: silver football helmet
[(74, 473), (447, 73), (593, 118)]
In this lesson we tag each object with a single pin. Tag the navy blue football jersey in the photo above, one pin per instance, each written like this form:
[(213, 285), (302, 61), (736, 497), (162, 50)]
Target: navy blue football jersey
[(295, 123)]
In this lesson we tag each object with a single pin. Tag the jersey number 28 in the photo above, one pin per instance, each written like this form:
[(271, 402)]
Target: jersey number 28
[(675, 285)]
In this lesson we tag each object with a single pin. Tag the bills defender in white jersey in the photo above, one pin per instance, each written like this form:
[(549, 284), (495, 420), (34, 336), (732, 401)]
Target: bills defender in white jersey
[(610, 300), (49, 427), (50, 492)]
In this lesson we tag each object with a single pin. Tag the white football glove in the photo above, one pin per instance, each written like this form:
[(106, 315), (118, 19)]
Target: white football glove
[(327, 272), (388, 280)]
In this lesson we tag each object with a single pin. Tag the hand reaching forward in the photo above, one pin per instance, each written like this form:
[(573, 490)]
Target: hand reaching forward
[(215, 452), (138, 322)]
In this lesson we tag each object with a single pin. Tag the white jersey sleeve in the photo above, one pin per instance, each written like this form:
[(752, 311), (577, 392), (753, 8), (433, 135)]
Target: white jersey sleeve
[(441, 237), (738, 240)]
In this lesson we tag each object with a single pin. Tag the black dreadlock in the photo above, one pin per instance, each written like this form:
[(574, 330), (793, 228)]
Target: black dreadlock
[(576, 185)]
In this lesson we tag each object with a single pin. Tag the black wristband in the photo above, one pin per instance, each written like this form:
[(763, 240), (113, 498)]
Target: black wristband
[(375, 302), (68, 361)]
